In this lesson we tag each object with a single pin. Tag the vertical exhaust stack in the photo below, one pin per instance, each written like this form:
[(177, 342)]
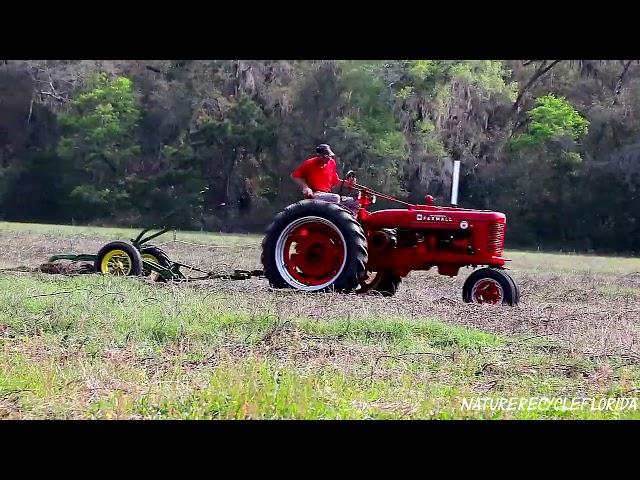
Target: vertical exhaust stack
[(454, 183)]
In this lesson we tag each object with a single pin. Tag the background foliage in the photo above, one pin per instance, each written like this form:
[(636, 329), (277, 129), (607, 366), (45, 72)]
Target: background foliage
[(211, 144)]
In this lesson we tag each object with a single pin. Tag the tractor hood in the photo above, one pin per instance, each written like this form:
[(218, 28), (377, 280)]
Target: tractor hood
[(432, 217)]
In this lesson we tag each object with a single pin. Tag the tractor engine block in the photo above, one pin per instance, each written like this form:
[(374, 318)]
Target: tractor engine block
[(428, 236)]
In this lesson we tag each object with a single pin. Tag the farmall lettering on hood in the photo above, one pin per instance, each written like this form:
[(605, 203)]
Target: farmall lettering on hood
[(433, 217)]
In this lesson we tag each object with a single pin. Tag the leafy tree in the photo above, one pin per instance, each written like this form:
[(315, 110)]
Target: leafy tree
[(99, 137), (211, 144), (551, 118), (100, 125), (369, 124), (228, 147)]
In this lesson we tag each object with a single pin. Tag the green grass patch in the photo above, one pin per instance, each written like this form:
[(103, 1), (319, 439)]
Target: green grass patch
[(101, 347), (616, 291)]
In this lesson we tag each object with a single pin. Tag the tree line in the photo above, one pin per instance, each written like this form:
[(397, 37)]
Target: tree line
[(211, 144)]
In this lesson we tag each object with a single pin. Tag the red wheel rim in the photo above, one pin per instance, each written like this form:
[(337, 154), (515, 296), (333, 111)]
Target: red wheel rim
[(311, 253), (487, 290)]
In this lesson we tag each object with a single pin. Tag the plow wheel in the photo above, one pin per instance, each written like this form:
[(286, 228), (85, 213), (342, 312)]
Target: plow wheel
[(120, 259), (384, 282), (154, 254), (489, 285), (314, 246)]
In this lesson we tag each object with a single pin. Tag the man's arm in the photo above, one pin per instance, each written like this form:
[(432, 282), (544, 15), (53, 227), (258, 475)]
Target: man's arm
[(298, 177), (306, 191), (336, 180)]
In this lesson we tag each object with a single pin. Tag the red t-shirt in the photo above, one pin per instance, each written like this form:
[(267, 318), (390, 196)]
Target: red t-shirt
[(319, 177)]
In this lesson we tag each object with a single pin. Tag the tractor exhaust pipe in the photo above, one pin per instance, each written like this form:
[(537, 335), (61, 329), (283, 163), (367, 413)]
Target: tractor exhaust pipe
[(454, 183)]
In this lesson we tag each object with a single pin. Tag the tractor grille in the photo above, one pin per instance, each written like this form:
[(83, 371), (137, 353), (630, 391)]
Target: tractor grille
[(496, 238)]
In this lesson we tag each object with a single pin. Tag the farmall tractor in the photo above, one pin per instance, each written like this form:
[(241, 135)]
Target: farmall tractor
[(319, 246)]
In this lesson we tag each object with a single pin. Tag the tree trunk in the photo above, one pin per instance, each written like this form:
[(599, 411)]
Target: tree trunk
[(538, 74), (620, 81)]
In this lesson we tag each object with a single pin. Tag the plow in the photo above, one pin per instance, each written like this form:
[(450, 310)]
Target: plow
[(320, 246), (138, 257)]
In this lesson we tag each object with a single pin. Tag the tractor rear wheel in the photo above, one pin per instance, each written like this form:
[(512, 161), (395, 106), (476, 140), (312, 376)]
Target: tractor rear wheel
[(384, 282), (490, 285), (314, 246), (119, 258)]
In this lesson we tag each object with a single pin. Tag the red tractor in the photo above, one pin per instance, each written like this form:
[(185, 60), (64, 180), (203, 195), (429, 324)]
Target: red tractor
[(320, 246)]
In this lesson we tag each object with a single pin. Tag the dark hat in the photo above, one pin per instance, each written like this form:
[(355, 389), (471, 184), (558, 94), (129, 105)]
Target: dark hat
[(324, 149)]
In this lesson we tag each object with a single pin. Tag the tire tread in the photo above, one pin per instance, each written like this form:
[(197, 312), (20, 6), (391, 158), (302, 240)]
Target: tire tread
[(357, 257)]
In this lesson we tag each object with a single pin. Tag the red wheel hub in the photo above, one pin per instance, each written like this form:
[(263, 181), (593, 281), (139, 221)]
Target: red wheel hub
[(487, 290), (314, 253)]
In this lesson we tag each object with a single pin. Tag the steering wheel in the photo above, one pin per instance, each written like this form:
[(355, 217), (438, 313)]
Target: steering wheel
[(350, 174)]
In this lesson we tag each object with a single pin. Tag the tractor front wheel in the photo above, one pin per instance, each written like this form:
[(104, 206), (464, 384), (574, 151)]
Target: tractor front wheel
[(119, 258), (490, 285), (516, 289)]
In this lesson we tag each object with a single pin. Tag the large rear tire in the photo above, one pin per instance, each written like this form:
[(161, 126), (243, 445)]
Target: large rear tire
[(314, 246)]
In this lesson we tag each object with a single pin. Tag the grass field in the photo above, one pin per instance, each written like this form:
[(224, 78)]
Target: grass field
[(89, 346)]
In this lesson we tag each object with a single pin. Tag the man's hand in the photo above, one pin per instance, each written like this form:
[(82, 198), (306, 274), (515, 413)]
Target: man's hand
[(350, 179), (307, 192), (348, 182)]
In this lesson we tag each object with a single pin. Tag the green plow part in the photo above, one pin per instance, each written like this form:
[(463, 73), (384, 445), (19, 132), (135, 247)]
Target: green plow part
[(171, 273), (167, 273)]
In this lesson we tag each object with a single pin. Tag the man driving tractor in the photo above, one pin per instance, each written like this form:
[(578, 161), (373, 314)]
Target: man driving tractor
[(317, 175)]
